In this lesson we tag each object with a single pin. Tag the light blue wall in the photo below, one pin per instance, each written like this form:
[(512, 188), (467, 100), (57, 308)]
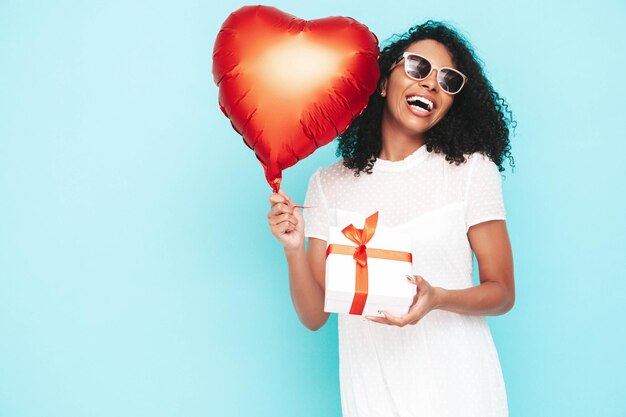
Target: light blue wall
[(138, 276)]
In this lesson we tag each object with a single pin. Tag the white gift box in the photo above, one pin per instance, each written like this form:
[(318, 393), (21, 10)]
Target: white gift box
[(388, 287)]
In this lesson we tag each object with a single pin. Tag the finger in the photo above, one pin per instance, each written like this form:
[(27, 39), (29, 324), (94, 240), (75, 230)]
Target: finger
[(282, 218), (277, 198), (376, 319), (278, 209), (297, 212), (286, 197), (283, 228), (286, 228), (419, 281), (283, 194), (398, 321)]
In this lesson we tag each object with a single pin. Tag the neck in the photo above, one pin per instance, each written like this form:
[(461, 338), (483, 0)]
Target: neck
[(397, 143)]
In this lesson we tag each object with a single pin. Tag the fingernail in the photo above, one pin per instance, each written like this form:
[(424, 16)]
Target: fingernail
[(409, 277)]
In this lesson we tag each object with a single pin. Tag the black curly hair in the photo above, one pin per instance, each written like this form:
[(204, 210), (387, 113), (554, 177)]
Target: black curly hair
[(478, 120)]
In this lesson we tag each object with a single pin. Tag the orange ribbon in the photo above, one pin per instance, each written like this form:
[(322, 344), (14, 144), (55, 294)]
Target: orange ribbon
[(360, 253)]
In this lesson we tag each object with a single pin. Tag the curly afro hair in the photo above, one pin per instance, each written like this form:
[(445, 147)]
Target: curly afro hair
[(478, 120)]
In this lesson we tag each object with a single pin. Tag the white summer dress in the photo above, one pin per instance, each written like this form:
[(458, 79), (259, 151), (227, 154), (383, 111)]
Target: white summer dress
[(446, 365)]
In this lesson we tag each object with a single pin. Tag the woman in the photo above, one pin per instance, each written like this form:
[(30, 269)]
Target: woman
[(426, 154)]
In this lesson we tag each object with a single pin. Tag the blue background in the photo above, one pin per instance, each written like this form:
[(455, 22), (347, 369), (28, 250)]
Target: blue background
[(137, 272)]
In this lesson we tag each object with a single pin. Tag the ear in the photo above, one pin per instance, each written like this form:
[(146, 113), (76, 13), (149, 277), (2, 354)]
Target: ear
[(383, 87)]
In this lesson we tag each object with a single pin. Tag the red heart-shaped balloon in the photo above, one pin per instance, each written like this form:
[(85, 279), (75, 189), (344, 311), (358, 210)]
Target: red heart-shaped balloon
[(289, 85)]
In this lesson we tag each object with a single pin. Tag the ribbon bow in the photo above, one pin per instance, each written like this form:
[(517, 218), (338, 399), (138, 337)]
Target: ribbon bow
[(361, 237)]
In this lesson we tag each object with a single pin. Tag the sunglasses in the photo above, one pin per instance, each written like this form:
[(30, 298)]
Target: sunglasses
[(418, 68)]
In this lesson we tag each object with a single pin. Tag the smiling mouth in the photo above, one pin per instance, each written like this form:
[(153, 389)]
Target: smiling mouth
[(420, 103)]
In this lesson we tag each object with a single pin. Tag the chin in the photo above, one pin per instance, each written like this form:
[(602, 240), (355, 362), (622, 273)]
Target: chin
[(418, 127)]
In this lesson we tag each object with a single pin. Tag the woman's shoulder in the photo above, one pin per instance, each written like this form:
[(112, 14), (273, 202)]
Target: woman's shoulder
[(472, 161), (476, 168)]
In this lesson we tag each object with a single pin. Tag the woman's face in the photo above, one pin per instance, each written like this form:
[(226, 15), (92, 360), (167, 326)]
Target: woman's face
[(399, 89)]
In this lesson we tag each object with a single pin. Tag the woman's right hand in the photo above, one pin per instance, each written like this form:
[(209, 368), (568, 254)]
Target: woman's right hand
[(286, 221)]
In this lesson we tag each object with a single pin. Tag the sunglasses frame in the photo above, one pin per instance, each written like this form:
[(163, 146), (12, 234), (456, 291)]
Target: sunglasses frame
[(432, 68)]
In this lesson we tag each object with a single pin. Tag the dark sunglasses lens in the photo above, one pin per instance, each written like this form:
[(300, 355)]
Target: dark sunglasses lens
[(417, 67), (451, 81)]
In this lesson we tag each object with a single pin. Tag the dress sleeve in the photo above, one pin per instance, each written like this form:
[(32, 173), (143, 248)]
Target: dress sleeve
[(484, 192), (316, 222)]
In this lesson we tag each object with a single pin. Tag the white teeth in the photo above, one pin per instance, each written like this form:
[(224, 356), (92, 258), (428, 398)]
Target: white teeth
[(423, 100)]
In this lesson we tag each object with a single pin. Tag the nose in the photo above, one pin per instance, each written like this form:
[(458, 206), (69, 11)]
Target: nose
[(430, 82)]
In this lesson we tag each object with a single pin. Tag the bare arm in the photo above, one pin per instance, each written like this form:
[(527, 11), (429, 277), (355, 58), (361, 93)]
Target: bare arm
[(494, 296), (306, 283), (496, 293), (306, 267)]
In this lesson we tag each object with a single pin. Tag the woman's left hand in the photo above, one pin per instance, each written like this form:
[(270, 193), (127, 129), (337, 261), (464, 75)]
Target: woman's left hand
[(426, 299)]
